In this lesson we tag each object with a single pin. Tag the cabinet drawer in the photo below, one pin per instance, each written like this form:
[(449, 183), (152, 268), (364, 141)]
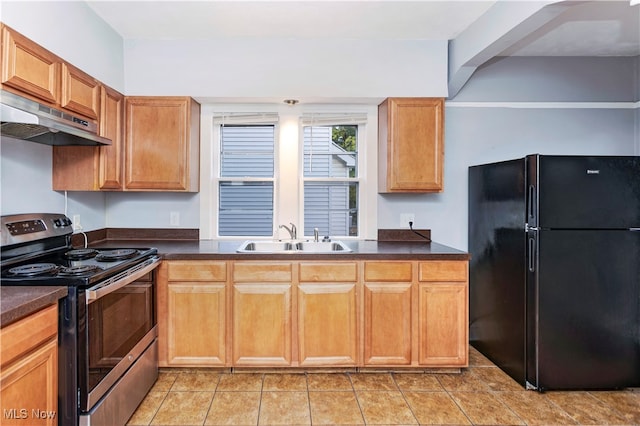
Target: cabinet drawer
[(328, 272), (24, 335), (197, 271), (443, 270), (387, 271), (262, 272)]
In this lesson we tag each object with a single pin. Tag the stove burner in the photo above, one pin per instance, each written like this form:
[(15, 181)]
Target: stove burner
[(118, 254), (81, 254), (79, 270), (34, 269)]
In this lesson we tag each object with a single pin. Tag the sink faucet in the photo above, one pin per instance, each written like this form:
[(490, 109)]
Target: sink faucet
[(315, 234), (293, 232)]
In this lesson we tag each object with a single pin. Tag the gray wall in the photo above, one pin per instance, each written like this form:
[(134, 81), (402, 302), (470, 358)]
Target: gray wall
[(512, 107)]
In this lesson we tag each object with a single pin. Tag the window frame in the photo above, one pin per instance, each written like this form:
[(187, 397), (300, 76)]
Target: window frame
[(288, 195), (326, 120)]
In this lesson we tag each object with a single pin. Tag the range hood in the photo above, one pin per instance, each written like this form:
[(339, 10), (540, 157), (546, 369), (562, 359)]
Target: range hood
[(31, 121)]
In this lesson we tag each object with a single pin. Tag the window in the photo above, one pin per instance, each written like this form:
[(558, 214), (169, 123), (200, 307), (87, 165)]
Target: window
[(269, 165), (246, 184), (330, 174)]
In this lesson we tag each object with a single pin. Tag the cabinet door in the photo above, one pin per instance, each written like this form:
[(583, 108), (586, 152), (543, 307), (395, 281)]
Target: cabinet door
[(29, 370), (327, 326), (162, 142), (29, 392), (262, 324), (387, 313), (411, 145), (80, 92), (29, 68), (442, 320), (196, 324), (443, 313), (387, 324), (111, 127), (90, 168), (192, 302)]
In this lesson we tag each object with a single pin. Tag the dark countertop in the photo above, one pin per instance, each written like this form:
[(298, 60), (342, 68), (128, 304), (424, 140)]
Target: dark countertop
[(17, 302), (226, 250)]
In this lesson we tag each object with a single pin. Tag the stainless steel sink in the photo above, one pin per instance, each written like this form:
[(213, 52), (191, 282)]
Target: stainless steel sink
[(257, 246), (322, 247), (266, 247)]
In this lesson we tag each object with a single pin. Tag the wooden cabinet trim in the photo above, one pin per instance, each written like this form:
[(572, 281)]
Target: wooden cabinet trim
[(328, 272), (193, 270), (262, 272), (443, 270), (388, 271)]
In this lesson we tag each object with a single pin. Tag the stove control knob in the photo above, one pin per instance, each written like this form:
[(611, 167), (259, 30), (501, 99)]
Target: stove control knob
[(66, 221), (57, 223)]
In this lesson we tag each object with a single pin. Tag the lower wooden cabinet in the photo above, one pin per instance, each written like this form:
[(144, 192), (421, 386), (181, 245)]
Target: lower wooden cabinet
[(443, 313), (262, 327), (314, 313), (387, 313), (192, 313), (327, 325), (29, 370)]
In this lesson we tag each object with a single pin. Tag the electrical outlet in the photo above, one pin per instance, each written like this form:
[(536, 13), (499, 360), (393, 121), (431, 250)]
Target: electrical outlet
[(174, 218), (405, 218), (76, 222)]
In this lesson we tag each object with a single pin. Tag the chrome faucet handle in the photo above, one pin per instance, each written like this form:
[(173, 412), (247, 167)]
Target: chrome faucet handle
[(292, 231)]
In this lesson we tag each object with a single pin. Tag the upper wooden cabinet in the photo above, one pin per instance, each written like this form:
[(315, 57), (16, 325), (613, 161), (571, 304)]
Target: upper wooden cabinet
[(162, 140), (28, 68), (32, 71), (80, 92), (92, 168), (160, 152), (411, 145)]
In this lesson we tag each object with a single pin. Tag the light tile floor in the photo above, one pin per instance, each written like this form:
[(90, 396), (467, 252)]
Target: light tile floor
[(480, 395)]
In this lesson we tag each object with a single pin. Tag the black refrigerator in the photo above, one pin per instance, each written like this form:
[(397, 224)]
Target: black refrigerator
[(554, 280)]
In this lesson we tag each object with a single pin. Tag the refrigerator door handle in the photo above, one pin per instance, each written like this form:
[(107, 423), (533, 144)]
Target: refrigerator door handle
[(532, 197), (532, 254)]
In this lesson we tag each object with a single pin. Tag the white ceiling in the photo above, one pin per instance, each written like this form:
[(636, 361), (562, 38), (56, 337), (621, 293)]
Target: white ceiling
[(589, 28)]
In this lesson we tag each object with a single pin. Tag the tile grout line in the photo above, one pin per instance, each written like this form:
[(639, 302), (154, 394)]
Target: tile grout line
[(215, 392), (355, 394), (393, 377)]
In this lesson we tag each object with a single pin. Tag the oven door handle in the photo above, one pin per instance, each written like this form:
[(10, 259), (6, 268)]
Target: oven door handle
[(122, 279)]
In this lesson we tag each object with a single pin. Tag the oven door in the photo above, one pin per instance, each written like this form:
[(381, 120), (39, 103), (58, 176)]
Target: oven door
[(120, 327)]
